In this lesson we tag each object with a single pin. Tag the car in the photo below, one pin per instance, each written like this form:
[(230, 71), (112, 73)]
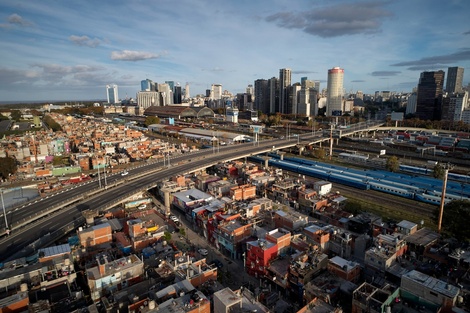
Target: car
[(124, 173), (203, 252), (174, 218)]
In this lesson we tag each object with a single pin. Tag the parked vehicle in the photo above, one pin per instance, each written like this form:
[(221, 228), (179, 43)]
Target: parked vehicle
[(203, 252)]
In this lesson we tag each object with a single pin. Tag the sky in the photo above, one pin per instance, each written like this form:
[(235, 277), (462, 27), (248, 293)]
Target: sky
[(61, 50)]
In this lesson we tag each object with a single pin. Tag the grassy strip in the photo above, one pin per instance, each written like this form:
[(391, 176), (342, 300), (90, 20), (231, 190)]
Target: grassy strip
[(356, 205)]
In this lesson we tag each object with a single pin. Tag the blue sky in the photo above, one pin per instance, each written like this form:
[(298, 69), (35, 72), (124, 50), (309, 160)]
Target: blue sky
[(63, 50)]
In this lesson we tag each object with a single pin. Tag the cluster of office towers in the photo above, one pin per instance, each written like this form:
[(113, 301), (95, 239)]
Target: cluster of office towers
[(155, 94), (280, 95), (433, 102)]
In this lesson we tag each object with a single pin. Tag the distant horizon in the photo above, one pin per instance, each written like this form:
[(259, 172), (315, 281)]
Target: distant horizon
[(47, 101)]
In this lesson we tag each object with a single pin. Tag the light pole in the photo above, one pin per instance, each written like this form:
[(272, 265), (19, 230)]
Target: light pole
[(105, 163), (99, 177), (4, 211)]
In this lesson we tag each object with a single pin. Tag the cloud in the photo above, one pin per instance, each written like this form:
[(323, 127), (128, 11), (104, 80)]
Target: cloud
[(303, 72), (18, 20), (129, 55), (58, 75), (85, 41), (428, 62), (358, 81), (467, 33), (425, 67), (385, 73), (216, 69), (337, 20), (13, 76)]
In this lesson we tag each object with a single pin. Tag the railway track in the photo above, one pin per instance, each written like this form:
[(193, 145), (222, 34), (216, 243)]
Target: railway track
[(388, 201)]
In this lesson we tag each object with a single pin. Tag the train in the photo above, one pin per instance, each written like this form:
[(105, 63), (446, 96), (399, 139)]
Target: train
[(424, 189), (428, 171)]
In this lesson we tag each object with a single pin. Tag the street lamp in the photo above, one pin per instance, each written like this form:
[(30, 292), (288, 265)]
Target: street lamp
[(99, 177), (105, 163)]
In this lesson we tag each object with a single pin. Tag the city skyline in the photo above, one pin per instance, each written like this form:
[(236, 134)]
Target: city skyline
[(53, 52)]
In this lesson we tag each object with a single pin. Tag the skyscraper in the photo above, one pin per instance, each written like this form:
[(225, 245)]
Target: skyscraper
[(273, 91), (166, 94), (216, 92), (285, 78), (334, 96), (112, 94), (147, 85), (177, 94), (454, 79), (261, 95), (171, 84), (186, 91), (293, 96), (429, 100)]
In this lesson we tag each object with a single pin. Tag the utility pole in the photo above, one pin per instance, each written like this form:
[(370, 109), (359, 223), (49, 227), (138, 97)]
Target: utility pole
[(447, 167)]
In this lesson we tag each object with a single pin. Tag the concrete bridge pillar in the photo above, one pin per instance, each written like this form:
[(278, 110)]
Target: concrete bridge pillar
[(166, 198), (281, 154), (266, 161)]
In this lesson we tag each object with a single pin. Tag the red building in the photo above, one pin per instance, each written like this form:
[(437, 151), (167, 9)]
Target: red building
[(259, 253)]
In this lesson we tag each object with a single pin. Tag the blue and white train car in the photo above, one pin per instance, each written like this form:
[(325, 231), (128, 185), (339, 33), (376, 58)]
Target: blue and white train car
[(397, 191), (313, 172), (432, 199), (346, 180), (449, 196)]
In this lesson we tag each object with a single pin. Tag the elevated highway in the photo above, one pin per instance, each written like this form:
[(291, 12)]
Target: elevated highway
[(58, 214)]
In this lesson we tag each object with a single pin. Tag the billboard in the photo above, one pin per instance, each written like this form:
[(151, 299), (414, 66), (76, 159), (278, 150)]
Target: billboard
[(397, 116)]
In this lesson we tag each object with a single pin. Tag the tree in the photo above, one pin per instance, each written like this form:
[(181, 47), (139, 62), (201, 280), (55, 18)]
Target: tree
[(392, 164), (438, 171), (354, 207), (57, 160), (454, 219), (167, 236), (7, 167), (16, 115), (149, 120), (52, 124), (320, 153)]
